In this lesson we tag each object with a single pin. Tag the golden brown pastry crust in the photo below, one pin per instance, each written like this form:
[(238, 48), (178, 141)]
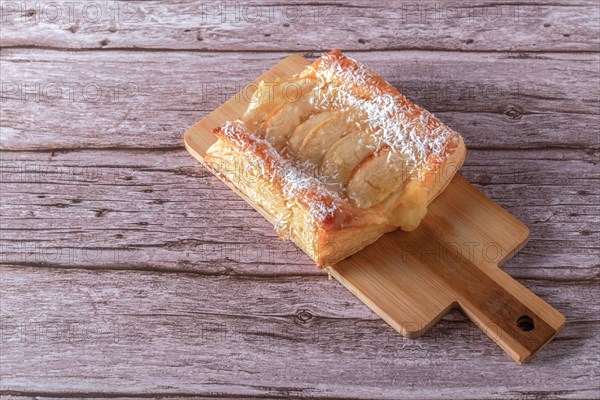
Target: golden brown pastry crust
[(332, 217)]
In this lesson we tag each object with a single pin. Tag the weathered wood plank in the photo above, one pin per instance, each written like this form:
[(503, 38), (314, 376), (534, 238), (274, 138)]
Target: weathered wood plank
[(160, 210), (110, 99), (96, 332), (304, 25), (203, 298)]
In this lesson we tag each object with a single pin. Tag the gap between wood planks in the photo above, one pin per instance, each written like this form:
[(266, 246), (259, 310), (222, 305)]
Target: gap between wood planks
[(312, 273), (308, 53), (33, 395), (589, 150)]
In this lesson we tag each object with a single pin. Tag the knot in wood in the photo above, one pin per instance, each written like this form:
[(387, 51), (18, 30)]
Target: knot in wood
[(304, 316), (514, 112)]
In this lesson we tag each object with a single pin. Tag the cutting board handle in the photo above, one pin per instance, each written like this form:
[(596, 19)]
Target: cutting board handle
[(511, 315)]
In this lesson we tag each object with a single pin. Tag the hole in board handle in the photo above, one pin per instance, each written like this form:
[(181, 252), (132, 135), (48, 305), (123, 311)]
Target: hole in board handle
[(525, 323)]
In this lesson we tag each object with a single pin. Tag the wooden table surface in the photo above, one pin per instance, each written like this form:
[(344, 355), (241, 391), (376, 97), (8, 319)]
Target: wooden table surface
[(130, 271)]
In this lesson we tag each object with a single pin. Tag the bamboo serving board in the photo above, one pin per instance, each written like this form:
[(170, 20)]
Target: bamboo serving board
[(411, 280)]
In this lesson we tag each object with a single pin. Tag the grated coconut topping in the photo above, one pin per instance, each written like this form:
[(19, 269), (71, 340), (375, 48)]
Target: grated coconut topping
[(295, 180), (395, 123)]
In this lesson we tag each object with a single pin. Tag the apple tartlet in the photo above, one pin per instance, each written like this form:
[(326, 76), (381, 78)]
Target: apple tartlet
[(336, 157)]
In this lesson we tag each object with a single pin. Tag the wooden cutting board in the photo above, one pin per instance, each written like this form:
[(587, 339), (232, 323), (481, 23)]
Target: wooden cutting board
[(411, 280)]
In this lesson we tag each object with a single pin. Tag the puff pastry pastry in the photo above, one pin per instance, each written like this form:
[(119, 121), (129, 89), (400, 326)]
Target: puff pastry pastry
[(337, 157)]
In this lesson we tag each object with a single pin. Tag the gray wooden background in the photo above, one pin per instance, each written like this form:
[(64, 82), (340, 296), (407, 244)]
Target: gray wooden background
[(130, 271)]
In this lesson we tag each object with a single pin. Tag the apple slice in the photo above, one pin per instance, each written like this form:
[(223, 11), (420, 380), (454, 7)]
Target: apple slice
[(345, 154), (285, 118), (268, 96), (306, 127), (319, 140), (377, 177)]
